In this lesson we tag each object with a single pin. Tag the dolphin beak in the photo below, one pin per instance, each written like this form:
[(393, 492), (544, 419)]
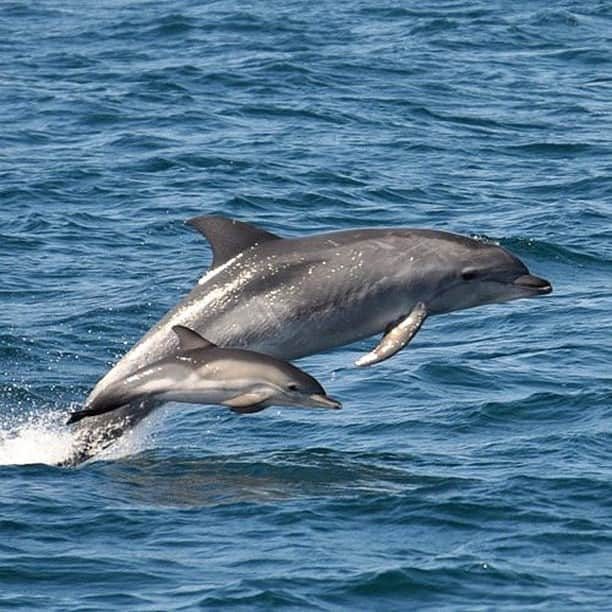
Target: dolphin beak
[(323, 401), (533, 283)]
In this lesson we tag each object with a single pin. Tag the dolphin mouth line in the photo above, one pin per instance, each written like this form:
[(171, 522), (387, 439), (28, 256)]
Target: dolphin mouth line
[(533, 283)]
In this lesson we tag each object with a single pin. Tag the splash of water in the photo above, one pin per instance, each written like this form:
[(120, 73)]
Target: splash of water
[(43, 438), (34, 438)]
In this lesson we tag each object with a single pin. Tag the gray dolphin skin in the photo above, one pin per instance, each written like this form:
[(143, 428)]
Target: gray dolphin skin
[(202, 373), (291, 297)]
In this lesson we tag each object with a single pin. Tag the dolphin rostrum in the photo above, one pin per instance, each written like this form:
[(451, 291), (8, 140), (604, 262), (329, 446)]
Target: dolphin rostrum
[(202, 373), (290, 297)]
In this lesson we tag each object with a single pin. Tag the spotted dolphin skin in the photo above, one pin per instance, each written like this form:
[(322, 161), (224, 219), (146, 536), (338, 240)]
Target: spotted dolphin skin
[(202, 373), (290, 297)]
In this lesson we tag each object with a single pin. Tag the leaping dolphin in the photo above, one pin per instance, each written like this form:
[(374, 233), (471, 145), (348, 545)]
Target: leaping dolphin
[(291, 297), (202, 373)]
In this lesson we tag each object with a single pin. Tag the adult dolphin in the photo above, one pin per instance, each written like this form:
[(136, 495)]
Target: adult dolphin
[(290, 297)]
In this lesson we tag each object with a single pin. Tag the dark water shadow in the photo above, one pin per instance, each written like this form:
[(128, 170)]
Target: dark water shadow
[(174, 479)]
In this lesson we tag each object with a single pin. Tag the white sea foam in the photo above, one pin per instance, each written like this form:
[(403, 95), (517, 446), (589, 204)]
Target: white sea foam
[(35, 438), (44, 438)]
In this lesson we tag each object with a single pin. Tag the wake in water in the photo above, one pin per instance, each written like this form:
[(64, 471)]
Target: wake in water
[(45, 439)]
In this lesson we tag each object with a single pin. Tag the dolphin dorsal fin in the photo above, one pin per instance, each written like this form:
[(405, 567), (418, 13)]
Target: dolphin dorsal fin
[(229, 237), (189, 339)]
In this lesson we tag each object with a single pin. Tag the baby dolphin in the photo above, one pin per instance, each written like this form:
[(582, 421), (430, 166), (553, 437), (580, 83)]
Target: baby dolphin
[(200, 372)]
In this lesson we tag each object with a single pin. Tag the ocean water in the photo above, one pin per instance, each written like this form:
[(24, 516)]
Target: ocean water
[(473, 471)]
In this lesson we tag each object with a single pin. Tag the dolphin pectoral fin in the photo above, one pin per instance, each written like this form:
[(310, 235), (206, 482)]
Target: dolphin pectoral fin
[(246, 403), (252, 408), (244, 399), (229, 237), (397, 336)]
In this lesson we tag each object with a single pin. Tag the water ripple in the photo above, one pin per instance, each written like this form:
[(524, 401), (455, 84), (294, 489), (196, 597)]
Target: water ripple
[(469, 471)]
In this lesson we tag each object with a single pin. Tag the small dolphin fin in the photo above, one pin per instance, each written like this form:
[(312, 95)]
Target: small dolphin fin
[(246, 403), (189, 339), (129, 411), (250, 409), (397, 336), (229, 237), (106, 403), (75, 417)]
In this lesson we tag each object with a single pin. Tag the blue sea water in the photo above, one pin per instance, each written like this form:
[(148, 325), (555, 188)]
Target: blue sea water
[(473, 471)]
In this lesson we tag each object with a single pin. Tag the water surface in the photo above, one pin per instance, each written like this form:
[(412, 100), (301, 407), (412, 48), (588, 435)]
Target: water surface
[(472, 470)]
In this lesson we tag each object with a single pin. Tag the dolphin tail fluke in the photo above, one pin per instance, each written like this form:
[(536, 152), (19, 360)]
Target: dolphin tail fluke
[(396, 337), (75, 417), (100, 406)]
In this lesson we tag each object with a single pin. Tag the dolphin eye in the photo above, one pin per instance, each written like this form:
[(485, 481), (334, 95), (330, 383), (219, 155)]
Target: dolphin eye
[(292, 387), (469, 275)]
